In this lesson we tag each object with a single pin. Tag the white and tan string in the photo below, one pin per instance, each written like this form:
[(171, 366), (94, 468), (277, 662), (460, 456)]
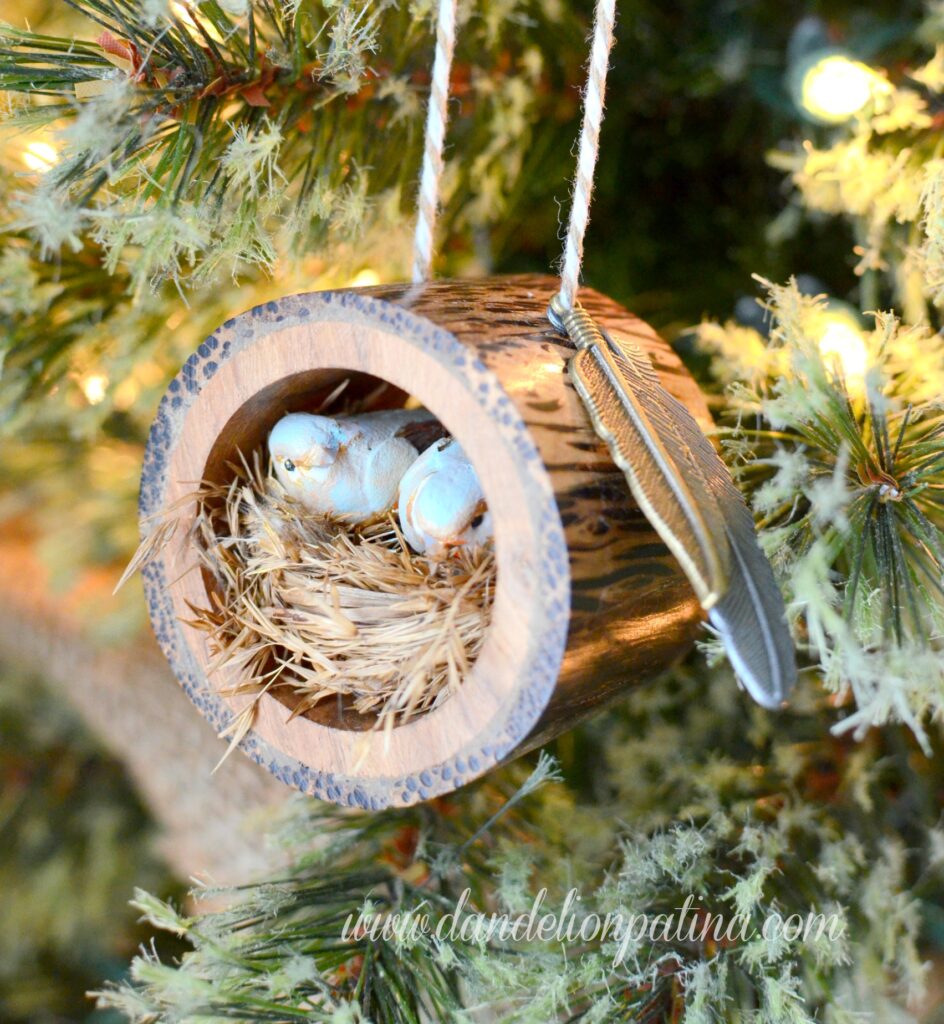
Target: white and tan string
[(437, 116), (593, 98)]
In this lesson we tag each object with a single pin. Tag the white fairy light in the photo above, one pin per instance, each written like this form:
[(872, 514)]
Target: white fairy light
[(94, 387), (841, 343), (834, 88), (364, 278), (39, 156), (183, 13)]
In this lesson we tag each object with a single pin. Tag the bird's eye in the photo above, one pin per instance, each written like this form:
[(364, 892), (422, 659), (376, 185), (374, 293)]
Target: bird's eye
[(476, 521), (289, 466)]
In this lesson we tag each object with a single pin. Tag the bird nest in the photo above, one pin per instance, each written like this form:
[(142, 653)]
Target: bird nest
[(316, 610)]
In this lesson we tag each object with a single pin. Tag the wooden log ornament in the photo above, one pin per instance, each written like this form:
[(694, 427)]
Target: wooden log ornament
[(588, 600)]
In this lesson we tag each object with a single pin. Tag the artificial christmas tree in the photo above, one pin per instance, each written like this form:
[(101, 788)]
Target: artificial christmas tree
[(172, 145)]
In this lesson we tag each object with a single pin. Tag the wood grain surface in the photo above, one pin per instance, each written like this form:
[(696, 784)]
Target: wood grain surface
[(588, 602)]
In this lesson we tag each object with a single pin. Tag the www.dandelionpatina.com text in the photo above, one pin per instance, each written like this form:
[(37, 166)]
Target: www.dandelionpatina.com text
[(571, 925)]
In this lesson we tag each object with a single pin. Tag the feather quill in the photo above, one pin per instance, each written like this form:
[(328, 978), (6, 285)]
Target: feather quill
[(686, 492)]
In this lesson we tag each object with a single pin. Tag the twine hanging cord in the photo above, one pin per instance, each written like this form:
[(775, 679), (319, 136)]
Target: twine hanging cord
[(588, 151), (437, 117)]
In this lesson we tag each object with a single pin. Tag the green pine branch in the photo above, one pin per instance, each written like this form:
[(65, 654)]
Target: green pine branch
[(190, 145), (774, 819)]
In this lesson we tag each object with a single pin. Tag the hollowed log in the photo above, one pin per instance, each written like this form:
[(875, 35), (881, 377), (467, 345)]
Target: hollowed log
[(588, 603)]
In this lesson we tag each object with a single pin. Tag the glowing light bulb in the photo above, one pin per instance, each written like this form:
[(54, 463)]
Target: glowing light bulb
[(182, 13), (364, 278), (835, 87), (39, 156), (94, 387), (841, 344)]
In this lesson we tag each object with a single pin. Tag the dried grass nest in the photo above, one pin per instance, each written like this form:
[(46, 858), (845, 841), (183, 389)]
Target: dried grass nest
[(326, 609)]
